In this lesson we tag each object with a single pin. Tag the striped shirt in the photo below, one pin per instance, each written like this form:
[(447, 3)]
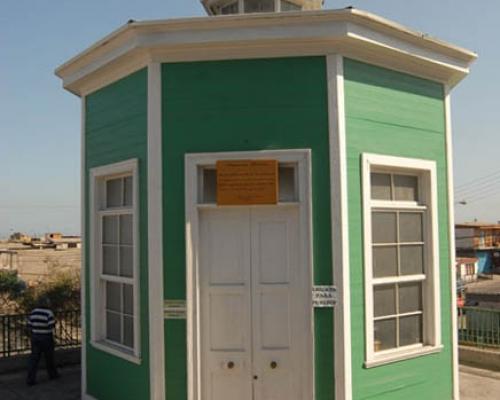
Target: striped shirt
[(41, 321)]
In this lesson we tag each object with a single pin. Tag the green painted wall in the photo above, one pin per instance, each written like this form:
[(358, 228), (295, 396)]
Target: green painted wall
[(395, 114), (237, 106), (116, 130)]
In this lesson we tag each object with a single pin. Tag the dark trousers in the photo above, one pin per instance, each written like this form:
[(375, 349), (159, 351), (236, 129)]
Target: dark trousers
[(41, 344)]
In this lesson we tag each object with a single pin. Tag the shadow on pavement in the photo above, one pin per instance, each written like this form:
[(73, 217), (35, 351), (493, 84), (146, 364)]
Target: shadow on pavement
[(13, 386)]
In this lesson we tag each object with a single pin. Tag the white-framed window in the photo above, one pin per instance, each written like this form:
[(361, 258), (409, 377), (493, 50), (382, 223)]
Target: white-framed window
[(255, 6), (401, 252), (114, 248)]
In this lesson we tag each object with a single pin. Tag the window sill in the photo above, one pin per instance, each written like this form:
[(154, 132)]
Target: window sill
[(402, 356), (116, 351)]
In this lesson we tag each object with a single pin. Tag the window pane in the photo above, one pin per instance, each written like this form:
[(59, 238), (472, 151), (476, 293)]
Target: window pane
[(411, 259), (410, 297), (126, 261), (384, 227), (231, 8), (410, 227), (110, 260), (287, 187), (410, 330), (406, 188), (289, 6), (209, 186), (113, 294), (113, 326), (385, 261), (114, 193), (385, 335), (128, 299), (259, 6), (110, 230), (128, 331), (381, 186), (128, 194), (126, 235), (384, 300)]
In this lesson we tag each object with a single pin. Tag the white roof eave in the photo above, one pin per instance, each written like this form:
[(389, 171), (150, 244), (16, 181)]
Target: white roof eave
[(350, 32)]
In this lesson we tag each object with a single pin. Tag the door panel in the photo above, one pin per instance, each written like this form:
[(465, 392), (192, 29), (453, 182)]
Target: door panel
[(225, 305), (272, 237), (255, 305), (279, 297)]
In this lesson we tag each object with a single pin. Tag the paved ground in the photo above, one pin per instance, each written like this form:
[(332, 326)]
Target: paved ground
[(12, 387), (475, 384), (478, 384)]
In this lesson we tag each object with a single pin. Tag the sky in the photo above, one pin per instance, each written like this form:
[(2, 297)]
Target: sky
[(40, 122)]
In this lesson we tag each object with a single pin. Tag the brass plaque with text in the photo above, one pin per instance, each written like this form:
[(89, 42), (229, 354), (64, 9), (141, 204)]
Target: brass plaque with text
[(247, 182)]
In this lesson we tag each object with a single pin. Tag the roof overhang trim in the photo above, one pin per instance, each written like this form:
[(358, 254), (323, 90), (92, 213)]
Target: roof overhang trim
[(352, 33)]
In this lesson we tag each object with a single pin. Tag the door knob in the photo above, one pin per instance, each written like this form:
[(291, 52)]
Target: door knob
[(274, 365), (230, 365)]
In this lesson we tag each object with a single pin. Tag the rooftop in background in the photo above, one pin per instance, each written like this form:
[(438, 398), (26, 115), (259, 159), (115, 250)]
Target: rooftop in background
[(477, 225), (486, 286)]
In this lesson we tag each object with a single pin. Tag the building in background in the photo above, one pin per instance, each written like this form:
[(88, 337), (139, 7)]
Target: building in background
[(467, 269), (266, 207), (481, 241)]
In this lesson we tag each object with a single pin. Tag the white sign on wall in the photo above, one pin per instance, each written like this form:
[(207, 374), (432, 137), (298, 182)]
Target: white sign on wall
[(174, 309), (324, 296)]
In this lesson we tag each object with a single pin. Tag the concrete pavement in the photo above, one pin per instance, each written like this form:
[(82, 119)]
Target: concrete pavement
[(479, 384), (475, 384), (13, 387)]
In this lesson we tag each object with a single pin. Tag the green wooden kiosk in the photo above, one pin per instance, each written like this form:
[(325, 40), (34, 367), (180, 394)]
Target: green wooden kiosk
[(267, 207)]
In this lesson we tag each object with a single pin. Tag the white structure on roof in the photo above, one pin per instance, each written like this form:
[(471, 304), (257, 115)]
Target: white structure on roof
[(224, 7)]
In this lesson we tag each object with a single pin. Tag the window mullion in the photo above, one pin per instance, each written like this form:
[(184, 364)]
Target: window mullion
[(119, 245), (119, 263), (398, 316), (393, 192), (116, 211), (122, 313), (399, 279)]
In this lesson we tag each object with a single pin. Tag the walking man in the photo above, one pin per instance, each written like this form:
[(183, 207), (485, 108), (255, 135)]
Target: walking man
[(41, 324)]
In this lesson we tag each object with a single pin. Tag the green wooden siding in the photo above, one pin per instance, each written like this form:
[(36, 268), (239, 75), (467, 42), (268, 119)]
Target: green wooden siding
[(237, 106), (116, 130), (395, 114)]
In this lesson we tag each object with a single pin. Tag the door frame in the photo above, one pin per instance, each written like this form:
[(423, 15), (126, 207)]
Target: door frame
[(193, 163)]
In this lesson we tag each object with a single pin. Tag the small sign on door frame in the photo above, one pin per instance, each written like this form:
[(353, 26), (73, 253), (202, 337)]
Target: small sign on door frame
[(324, 296)]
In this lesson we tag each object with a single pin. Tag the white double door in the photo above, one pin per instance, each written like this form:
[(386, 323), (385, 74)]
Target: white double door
[(255, 307)]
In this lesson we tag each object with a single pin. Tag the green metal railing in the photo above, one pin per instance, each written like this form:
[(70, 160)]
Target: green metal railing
[(479, 327), (14, 336)]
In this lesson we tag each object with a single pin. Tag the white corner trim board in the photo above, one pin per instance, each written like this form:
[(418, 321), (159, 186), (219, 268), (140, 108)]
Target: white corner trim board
[(451, 238), (351, 32), (155, 234), (339, 226), (83, 232)]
